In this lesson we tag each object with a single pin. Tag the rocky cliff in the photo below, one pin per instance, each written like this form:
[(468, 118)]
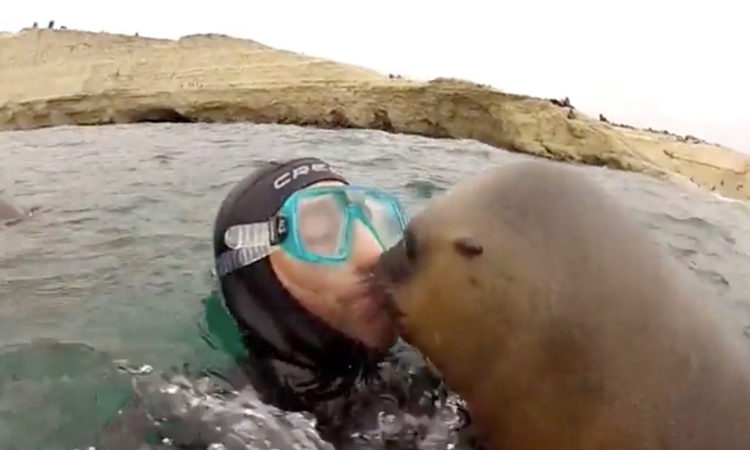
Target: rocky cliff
[(55, 77)]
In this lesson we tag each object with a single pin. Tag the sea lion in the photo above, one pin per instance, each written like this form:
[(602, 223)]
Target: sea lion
[(9, 212), (547, 307)]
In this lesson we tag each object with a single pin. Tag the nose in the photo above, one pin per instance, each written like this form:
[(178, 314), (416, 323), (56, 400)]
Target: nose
[(365, 248)]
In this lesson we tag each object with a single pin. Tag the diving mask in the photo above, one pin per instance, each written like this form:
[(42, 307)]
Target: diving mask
[(316, 225)]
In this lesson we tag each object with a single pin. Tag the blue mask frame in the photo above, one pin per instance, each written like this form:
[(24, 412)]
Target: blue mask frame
[(249, 243)]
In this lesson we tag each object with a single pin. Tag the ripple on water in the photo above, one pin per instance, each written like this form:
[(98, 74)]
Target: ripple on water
[(424, 188)]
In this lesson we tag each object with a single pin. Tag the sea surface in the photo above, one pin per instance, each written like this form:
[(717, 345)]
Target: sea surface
[(115, 262)]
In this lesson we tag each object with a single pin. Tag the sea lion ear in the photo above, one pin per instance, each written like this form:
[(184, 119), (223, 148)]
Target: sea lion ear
[(468, 247)]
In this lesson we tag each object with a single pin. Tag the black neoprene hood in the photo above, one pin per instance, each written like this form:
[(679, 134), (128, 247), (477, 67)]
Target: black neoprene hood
[(274, 324)]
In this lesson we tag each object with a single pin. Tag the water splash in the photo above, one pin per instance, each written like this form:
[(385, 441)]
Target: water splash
[(203, 412), (442, 431)]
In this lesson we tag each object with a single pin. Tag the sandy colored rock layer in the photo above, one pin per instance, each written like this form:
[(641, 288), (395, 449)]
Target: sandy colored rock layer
[(57, 77)]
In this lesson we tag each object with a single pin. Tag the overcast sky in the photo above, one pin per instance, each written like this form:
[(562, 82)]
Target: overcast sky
[(682, 65)]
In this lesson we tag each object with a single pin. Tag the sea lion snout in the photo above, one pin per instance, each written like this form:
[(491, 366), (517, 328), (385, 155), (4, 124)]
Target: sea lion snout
[(394, 266), (397, 263)]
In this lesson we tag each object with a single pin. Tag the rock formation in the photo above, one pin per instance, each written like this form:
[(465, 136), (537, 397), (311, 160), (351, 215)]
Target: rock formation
[(53, 77)]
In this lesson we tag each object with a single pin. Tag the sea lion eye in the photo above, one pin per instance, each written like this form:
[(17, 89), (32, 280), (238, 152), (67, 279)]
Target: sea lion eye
[(468, 247)]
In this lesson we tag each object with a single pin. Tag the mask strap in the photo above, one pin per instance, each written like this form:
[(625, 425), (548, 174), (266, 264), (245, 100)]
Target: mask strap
[(249, 235), (249, 243), (232, 260)]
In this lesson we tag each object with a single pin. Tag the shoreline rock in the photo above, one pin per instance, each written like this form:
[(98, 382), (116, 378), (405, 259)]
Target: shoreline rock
[(65, 77)]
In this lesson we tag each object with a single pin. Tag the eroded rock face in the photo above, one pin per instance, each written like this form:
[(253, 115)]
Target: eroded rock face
[(61, 77)]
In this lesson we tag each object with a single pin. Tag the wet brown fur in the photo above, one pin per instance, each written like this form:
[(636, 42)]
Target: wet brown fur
[(569, 330)]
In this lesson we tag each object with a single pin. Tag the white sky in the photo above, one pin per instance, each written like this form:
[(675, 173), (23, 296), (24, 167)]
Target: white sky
[(682, 65)]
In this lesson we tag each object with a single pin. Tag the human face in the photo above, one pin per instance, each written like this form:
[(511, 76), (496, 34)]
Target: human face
[(340, 295)]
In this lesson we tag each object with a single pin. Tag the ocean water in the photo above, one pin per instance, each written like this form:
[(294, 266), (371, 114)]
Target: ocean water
[(115, 262)]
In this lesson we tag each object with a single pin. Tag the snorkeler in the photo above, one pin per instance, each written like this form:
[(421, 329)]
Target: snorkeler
[(293, 243)]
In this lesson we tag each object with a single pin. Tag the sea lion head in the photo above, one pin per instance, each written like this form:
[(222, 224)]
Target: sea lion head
[(480, 283), (467, 254), (502, 250), (9, 213)]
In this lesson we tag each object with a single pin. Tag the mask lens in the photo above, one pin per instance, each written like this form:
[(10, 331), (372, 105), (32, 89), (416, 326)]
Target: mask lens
[(321, 220), (320, 223), (384, 219)]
